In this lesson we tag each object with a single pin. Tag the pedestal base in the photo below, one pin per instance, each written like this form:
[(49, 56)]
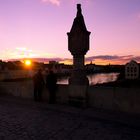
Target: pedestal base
[(78, 95)]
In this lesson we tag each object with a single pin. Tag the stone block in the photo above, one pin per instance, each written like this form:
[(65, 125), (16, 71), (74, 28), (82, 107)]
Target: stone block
[(78, 95)]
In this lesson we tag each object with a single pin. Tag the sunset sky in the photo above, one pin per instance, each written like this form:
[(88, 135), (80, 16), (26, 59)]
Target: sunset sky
[(38, 29)]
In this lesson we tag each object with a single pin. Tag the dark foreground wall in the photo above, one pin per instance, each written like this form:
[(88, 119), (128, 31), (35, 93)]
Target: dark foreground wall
[(117, 99)]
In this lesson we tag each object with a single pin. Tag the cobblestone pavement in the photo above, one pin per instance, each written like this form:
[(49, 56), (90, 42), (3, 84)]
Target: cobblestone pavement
[(27, 120)]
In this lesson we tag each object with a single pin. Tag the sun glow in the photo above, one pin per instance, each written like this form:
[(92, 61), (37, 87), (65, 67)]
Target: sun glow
[(27, 62)]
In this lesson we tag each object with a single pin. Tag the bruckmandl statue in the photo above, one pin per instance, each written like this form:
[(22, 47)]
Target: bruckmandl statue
[(78, 45)]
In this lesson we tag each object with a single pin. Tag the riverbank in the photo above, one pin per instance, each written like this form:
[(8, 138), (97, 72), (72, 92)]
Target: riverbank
[(122, 83)]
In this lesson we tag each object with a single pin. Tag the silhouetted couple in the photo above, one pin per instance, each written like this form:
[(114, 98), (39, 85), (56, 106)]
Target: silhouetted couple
[(50, 84)]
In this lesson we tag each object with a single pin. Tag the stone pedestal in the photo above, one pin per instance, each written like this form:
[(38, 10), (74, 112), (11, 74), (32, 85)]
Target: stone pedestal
[(78, 76)]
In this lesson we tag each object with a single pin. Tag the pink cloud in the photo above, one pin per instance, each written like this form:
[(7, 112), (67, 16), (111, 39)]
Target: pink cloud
[(112, 59), (55, 2)]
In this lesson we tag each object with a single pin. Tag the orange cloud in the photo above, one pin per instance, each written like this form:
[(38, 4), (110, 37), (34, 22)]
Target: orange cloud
[(67, 61)]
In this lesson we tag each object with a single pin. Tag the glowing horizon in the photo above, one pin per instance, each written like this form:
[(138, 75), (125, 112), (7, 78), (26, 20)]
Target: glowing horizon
[(37, 29)]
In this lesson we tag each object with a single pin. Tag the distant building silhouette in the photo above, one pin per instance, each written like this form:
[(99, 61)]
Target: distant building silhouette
[(132, 70), (57, 67)]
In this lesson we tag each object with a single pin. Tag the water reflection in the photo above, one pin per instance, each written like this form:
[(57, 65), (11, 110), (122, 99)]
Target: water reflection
[(95, 78)]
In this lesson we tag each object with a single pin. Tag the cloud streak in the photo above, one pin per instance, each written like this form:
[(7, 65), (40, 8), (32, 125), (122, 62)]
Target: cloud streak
[(112, 59), (55, 2), (100, 59)]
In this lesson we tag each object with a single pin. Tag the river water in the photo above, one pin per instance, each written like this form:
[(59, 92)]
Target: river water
[(95, 78)]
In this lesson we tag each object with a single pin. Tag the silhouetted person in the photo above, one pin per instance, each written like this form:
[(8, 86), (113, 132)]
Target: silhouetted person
[(52, 86), (38, 85)]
